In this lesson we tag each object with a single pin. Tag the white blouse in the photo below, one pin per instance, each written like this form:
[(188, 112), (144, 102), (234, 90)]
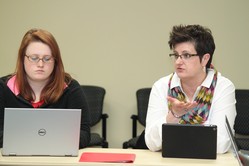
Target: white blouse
[(223, 103)]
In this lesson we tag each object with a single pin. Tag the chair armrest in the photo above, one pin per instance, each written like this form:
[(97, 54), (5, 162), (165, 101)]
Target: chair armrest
[(134, 117), (104, 117), (134, 125)]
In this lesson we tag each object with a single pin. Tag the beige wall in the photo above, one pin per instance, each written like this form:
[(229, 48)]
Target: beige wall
[(122, 44)]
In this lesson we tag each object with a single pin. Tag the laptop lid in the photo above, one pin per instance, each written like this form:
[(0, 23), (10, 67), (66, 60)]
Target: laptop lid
[(45, 132), (189, 141), (234, 145)]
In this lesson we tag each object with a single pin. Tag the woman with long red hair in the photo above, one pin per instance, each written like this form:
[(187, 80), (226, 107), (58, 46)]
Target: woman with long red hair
[(40, 81)]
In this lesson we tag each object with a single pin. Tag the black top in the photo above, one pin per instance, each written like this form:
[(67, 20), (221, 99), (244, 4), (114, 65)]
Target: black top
[(73, 97)]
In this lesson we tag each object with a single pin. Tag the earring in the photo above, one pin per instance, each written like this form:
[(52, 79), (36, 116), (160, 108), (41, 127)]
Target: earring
[(204, 68)]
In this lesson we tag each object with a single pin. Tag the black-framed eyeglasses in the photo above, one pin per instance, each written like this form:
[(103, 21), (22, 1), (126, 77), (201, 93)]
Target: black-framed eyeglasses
[(35, 58), (184, 56)]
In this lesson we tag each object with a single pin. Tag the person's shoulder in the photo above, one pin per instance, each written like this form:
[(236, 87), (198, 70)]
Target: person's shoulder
[(163, 80), (6, 77), (1, 82), (221, 79), (224, 84), (162, 83), (74, 83)]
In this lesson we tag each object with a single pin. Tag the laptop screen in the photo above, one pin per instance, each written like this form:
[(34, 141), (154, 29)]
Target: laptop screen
[(234, 145)]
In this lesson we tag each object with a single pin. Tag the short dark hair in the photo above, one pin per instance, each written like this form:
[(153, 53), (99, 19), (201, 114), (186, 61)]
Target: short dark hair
[(200, 36)]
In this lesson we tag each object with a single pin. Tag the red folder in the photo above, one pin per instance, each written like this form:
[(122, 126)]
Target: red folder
[(107, 157)]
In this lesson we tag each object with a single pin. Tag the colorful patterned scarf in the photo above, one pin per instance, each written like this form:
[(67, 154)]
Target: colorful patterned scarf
[(199, 114)]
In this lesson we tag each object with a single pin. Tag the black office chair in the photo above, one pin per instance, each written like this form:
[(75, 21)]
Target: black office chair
[(241, 124), (142, 105), (95, 99)]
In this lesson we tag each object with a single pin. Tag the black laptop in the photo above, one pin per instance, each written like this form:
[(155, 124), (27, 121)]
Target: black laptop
[(189, 141)]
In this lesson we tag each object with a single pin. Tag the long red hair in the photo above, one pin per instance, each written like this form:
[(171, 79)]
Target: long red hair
[(55, 86)]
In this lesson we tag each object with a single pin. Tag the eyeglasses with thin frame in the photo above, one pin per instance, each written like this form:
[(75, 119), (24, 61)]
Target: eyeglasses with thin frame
[(184, 56), (35, 58)]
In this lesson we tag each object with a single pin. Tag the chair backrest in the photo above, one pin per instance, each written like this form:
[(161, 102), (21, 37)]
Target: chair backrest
[(142, 104), (95, 100), (241, 124)]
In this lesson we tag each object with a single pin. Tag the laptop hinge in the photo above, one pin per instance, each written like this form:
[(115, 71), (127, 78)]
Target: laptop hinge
[(68, 155), (12, 154)]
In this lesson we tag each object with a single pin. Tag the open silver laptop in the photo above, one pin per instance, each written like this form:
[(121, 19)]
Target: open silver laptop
[(41, 132), (241, 155)]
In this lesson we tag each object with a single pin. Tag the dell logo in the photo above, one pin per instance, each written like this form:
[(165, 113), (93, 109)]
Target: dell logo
[(41, 132)]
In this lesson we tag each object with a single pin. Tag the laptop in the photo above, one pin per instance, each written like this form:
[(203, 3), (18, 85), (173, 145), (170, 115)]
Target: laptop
[(41, 132), (241, 155), (189, 141)]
